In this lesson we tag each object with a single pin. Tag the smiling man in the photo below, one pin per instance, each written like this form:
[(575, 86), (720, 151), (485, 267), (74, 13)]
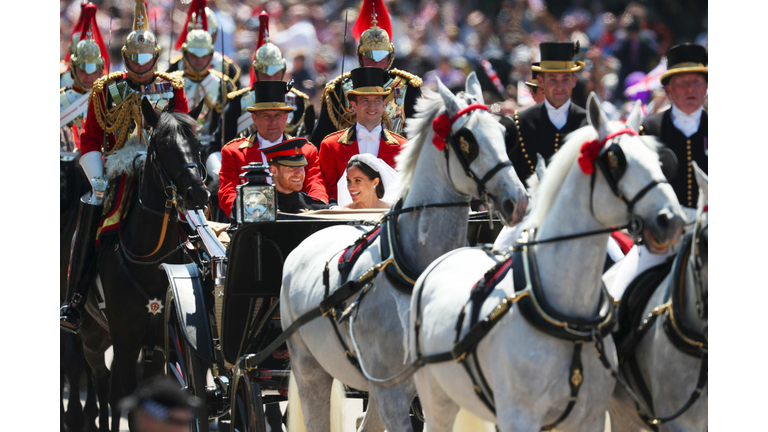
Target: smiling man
[(683, 128), (368, 101), (286, 164), (542, 127)]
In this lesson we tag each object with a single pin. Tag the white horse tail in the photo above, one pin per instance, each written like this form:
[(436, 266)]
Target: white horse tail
[(465, 421), (295, 414), (338, 396)]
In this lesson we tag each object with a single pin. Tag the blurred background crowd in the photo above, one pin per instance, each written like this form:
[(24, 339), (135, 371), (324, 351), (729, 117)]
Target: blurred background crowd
[(621, 42)]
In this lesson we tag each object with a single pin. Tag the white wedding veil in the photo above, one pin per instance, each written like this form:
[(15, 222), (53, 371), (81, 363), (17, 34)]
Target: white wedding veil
[(388, 178)]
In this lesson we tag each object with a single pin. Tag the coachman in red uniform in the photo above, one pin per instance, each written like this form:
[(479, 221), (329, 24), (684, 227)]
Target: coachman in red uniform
[(270, 117), (114, 114)]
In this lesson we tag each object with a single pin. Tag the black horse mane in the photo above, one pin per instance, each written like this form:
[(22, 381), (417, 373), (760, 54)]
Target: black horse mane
[(175, 127)]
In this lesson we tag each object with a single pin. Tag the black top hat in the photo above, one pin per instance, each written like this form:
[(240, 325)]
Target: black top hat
[(533, 83), (270, 95), (287, 153), (685, 58), (558, 57), (369, 81)]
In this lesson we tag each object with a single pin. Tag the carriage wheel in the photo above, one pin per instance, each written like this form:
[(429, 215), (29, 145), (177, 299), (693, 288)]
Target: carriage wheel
[(247, 408), (184, 364)]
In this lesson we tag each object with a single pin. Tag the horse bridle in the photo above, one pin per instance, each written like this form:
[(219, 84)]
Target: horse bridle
[(697, 260), (464, 144), (613, 164), (169, 184)]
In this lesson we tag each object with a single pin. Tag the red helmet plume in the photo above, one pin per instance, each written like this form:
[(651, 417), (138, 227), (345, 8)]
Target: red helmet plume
[(198, 8), (364, 20)]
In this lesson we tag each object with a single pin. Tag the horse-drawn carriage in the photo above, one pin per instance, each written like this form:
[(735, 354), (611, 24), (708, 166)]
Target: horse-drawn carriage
[(223, 311)]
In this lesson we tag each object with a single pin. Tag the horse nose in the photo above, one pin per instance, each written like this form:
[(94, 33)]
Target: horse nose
[(196, 196), (508, 206), (668, 222)]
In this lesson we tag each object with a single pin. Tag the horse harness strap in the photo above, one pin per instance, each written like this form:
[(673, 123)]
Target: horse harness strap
[(690, 344)]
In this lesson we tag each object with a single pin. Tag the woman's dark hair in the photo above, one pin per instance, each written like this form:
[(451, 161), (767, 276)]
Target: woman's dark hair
[(369, 172)]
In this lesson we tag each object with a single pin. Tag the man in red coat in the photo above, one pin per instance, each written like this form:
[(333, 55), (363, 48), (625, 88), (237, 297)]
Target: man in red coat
[(270, 115), (114, 98), (367, 99)]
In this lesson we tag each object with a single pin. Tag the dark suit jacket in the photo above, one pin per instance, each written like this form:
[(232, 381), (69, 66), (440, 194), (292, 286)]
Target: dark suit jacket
[(538, 135), (686, 149)]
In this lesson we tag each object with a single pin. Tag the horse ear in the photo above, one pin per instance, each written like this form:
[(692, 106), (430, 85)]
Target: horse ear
[(195, 113), (148, 111), (635, 117), (702, 180), (445, 94), (596, 116), (473, 87)]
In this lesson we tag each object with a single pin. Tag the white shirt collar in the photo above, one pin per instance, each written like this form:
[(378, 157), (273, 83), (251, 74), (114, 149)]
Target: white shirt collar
[(688, 124), (368, 142), (265, 144), (558, 116)]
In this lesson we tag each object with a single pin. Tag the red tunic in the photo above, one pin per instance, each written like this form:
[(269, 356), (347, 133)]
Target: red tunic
[(93, 133), (242, 151), (337, 148)]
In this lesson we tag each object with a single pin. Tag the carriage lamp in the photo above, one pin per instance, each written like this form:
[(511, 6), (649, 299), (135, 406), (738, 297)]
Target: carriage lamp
[(255, 200)]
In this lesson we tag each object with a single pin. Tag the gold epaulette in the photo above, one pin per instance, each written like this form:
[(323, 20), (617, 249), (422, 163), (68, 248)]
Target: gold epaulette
[(299, 93), (334, 133), (413, 80), (231, 64), (248, 142), (391, 140), (178, 73), (236, 93), (177, 58), (176, 81)]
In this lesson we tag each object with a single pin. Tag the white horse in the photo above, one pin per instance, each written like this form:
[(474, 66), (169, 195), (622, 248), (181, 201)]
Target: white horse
[(528, 376), (665, 361), (437, 181)]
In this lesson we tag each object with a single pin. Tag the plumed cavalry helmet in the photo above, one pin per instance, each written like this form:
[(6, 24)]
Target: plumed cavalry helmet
[(374, 41), (213, 25), (198, 41), (141, 44), (89, 53), (192, 38), (268, 58), (77, 30)]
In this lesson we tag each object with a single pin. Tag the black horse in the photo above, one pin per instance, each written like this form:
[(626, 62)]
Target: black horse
[(169, 180)]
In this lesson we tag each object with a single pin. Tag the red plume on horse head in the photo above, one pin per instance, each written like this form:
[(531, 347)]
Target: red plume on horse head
[(372, 9), (198, 9)]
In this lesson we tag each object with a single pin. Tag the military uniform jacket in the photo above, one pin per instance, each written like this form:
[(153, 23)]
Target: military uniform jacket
[(338, 148), (298, 202), (238, 122), (208, 88), (117, 105), (530, 131), (686, 149), (242, 151), (335, 113)]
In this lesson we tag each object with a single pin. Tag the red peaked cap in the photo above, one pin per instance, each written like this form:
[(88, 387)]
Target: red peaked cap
[(197, 6), (263, 32), (363, 22), (89, 24), (76, 29)]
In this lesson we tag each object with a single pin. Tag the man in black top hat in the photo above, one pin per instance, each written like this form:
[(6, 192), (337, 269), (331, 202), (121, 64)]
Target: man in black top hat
[(286, 164), (542, 127), (537, 93), (683, 128)]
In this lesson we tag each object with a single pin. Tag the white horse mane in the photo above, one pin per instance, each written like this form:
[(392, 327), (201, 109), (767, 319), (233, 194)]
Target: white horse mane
[(545, 190), (122, 161), (418, 128)]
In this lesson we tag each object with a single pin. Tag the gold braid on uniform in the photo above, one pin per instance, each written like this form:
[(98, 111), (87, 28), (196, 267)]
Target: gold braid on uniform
[(118, 119), (413, 80), (231, 65), (233, 94), (340, 118)]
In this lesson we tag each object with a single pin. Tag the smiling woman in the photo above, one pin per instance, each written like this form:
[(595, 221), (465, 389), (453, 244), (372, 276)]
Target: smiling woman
[(368, 183)]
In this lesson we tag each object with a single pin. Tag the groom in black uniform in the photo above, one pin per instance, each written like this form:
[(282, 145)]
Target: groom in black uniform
[(542, 127), (683, 127)]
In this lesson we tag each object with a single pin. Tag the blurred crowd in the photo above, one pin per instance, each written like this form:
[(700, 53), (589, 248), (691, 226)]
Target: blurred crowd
[(620, 41)]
